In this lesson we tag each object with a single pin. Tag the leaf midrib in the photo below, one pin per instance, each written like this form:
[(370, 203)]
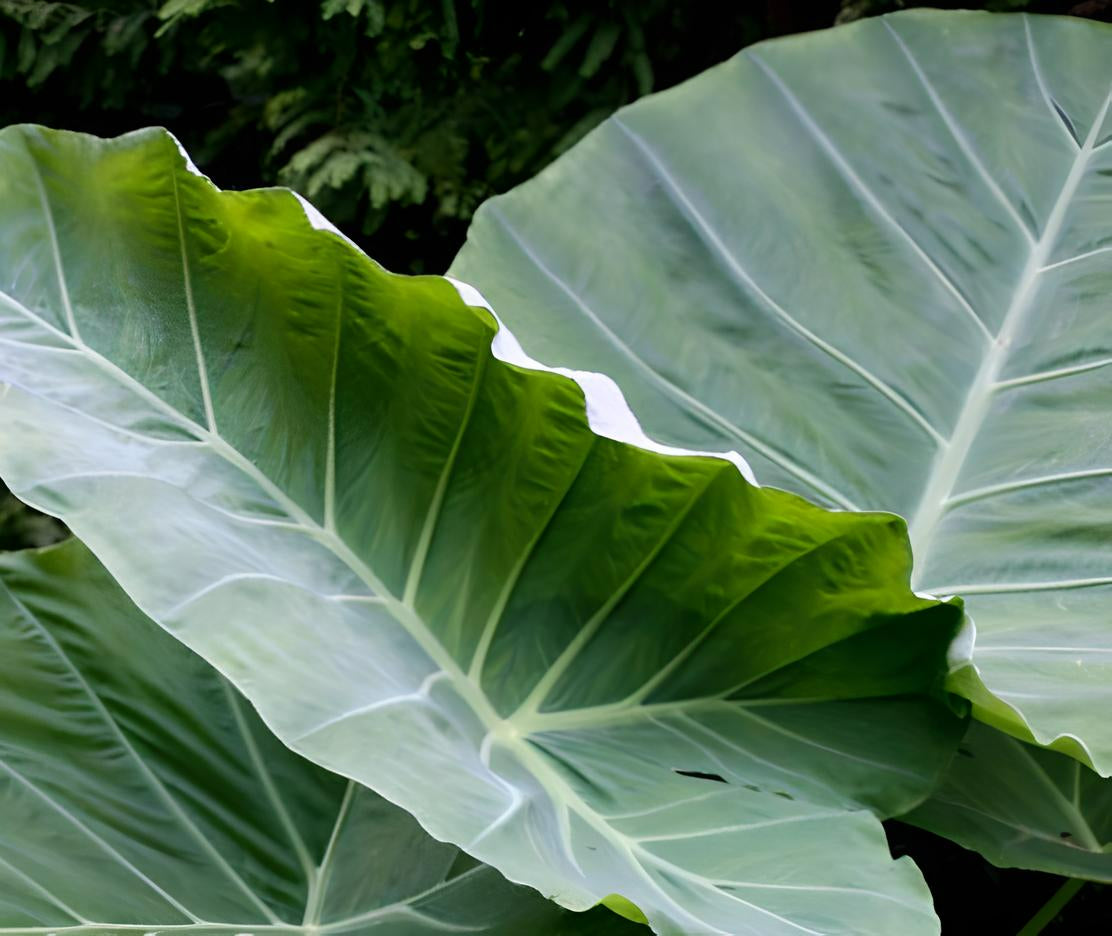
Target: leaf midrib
[(952, 453), (944, 474)]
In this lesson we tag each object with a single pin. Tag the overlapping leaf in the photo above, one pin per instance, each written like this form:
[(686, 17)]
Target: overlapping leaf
[(429, 574), (876, 261), (139, 792), (1023, 806)]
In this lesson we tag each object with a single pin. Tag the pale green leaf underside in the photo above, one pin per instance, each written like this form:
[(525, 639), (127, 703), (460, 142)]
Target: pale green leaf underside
[(1023, 806), (430, 575), (140, 792), (876, 261)]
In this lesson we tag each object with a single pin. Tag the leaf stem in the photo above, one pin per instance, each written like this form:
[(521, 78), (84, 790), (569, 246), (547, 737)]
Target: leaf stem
[(1049, 910)]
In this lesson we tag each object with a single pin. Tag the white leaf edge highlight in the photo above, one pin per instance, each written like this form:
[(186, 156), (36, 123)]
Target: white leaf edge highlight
[(608, 413)]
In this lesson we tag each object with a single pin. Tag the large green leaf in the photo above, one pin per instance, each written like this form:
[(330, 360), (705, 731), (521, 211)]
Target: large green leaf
[(139, 792), (877, 261), (1023, 806), (431, 575)]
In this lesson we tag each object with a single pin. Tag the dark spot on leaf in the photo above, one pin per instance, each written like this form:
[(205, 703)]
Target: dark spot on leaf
[(699, 775), (1065, 835), (965, 752), (784, 795), (753, 787)]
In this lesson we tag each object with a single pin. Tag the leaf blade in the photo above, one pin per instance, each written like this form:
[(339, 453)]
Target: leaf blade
[(455, 507)]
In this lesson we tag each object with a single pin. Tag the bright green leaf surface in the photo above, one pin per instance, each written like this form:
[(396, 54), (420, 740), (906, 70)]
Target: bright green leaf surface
[(876, 261), (1023, 806), (139, 792), (429, 574)]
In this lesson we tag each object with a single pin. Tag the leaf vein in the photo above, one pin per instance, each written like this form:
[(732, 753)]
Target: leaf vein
[(671, 389)]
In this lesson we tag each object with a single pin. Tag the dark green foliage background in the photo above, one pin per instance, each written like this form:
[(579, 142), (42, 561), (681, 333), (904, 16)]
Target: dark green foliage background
[(397, 119)]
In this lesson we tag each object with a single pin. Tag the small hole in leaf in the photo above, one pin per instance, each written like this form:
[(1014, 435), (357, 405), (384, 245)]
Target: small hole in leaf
[(699, 775)]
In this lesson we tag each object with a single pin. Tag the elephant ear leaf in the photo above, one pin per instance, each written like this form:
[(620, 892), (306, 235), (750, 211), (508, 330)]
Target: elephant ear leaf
[(139, 792), (604, 670), (876, 261)]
